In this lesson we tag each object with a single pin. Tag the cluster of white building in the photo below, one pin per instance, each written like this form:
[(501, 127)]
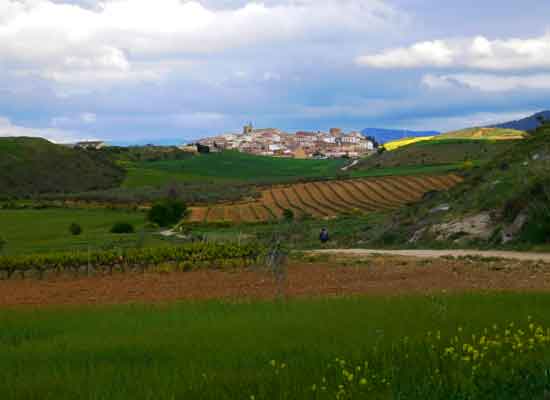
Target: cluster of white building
[(274, 142)]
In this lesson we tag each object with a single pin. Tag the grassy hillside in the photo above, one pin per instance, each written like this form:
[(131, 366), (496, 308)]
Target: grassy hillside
[(483, 134), (434, 152), (507, 199), (31, 166), (229, 166), (206, 178), (490, 134)]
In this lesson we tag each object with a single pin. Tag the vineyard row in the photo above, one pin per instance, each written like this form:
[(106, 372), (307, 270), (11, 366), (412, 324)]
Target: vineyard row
[(328, 199), (184, 257)]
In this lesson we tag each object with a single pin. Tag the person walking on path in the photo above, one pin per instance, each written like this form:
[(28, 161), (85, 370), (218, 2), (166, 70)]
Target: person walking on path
[(323, 236)]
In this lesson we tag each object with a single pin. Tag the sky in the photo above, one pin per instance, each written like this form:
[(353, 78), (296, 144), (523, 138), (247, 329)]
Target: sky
[(170, 71)]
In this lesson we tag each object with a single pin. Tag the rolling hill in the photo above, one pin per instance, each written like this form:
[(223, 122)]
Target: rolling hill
[(492, 134), (526, 124), (484, 134), (452, 148), (504, 201), (30, 166)]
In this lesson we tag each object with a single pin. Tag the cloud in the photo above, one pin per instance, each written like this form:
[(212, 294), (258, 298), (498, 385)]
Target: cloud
[(488, 82), (8, 129), (475, 53), (138, 40), (436, 53)]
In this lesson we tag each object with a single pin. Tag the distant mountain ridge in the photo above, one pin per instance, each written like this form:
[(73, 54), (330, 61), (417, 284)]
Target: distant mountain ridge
[(525, 124), (387, 135)]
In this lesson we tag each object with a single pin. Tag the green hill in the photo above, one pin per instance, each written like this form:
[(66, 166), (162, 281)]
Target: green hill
[(437, 152), (505, 201), (472, 144), (31, 166), (483, 134), (228, 167)]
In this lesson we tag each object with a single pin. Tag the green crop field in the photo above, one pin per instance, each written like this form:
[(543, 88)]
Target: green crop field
[(455, 347), (229, 166), (47, 230)]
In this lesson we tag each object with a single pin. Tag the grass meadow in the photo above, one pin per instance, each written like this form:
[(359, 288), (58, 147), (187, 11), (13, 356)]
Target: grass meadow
[(233, 167), (229, 166), (346, 348), (47, 230)]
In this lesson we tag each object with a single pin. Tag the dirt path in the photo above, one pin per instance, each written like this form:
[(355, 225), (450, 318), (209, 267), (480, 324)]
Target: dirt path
[(506, 255)]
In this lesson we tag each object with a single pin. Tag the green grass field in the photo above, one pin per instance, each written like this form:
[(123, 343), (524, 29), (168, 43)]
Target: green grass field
[(427, 155), (229, 166), (47, 230), (233, 167), (281, 350)]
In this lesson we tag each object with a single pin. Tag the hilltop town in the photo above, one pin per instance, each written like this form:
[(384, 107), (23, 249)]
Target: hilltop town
[(274, 142)]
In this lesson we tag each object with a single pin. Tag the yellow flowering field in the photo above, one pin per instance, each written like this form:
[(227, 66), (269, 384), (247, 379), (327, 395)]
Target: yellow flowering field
[(466, 365)]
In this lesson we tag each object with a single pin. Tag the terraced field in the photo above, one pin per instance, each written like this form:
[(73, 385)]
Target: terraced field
[(327, 199)]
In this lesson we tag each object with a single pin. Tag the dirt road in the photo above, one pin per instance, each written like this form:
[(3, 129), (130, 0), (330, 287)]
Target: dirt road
[(506, 255)]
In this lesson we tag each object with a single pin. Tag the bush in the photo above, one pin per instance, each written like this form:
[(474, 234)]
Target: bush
[(75, 229), (2, 243), (167, 212), (467, 165), (288, 214), (122, 228)]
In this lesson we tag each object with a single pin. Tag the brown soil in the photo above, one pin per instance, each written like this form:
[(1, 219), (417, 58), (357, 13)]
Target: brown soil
[(300, 198), (318, 276)]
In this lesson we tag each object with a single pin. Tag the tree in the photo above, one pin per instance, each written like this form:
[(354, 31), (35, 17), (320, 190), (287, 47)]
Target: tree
[(288, 214), (374, 141), (122, 228), (167, 212), (75, 229), (2, 243)]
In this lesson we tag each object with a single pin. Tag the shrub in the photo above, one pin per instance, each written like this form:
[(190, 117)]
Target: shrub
[(122, 228), (75, 229), (467, 165), (167, 212), (288, 214)]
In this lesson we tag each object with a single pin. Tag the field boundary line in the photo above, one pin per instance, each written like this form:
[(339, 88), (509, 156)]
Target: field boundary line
[(500, 254)]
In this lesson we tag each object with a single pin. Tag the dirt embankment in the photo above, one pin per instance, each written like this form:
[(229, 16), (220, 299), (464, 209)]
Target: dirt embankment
[(320, 275)]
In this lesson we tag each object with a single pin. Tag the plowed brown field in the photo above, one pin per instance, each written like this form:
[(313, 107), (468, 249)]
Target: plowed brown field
[(328, 199), (318, 276)]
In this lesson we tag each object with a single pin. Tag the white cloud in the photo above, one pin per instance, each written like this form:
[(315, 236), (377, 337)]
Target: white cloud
[(138, 40), (488, 82), (435, 53), (476, 53), (8, 129)]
